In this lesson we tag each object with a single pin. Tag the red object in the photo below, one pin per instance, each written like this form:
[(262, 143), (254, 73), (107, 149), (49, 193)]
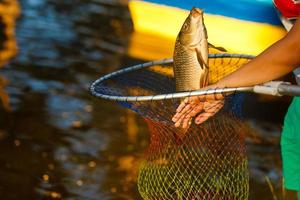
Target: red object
[(288, 8)]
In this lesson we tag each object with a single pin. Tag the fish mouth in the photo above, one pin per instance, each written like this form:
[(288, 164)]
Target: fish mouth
[(196, 12)]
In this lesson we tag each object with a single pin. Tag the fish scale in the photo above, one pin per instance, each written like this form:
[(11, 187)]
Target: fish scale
[(188, 79)]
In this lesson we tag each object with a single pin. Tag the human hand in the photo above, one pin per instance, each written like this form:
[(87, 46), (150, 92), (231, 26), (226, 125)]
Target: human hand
[(202, 107)]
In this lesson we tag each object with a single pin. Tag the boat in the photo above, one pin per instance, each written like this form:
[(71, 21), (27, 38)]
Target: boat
[(245, 26)]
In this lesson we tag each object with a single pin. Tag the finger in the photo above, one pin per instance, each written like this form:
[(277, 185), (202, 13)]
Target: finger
[(209, 112), (200, 98), (179, 120), (186, 121), (205, 116), (175, 117), (219, 96), (183, 111), (202, 118), (188, 106), (182, 117), (188, 117), (213, 97), (182, 104), (196, 110), (192, 113), (214, 106)]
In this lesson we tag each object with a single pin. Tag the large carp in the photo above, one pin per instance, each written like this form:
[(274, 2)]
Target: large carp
[(191, 53)]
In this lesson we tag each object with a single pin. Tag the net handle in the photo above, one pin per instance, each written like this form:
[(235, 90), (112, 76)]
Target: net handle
[(275, 89)]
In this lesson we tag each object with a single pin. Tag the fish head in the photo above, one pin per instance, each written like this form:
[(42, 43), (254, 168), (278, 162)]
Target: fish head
[(192, 29)]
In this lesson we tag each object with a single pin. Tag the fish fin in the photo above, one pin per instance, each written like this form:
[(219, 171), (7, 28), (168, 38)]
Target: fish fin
[(204, 66), (218, 48), (205, 80), (205, 31), (200, 59)]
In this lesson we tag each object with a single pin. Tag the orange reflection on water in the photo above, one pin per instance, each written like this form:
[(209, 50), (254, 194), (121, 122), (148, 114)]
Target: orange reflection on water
[(3, 94), (9, 11), (132, 128)]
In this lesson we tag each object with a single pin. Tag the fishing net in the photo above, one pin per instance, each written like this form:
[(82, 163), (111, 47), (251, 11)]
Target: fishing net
[(208, 161)]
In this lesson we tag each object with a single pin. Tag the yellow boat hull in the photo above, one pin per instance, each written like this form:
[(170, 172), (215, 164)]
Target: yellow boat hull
[(156, 27)]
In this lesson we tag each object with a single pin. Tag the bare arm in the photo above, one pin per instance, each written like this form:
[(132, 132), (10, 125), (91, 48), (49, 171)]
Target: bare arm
[(279, 59)]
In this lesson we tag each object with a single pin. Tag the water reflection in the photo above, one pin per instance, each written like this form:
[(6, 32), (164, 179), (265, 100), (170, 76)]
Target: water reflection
[(58, 142), (3, 94), (9, 11)]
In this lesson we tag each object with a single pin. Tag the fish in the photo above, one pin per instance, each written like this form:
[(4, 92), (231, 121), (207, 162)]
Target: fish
[(191, 53)]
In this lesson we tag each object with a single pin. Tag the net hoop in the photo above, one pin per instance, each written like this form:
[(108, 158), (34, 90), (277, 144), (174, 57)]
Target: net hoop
[(168, 95)]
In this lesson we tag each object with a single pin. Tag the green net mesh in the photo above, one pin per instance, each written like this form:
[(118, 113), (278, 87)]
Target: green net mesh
[(206, 162)]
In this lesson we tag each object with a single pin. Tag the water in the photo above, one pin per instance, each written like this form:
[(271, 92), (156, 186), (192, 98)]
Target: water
[(58, 142)]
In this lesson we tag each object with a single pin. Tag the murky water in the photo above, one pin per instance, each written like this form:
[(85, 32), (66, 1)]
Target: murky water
[(58, 142)]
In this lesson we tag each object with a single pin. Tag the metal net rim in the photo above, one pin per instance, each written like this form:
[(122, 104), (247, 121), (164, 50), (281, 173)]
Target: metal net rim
[(168, 95)]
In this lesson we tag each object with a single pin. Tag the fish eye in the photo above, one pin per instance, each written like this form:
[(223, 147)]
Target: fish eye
[(186, 26)]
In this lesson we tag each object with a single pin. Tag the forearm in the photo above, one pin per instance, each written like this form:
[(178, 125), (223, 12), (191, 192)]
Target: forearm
[(276, 61)]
